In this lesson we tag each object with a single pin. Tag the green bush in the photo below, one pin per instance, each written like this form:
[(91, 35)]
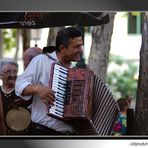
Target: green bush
[(121, 76)]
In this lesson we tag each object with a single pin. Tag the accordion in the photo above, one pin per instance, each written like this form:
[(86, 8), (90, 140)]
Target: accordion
[(82, 100)]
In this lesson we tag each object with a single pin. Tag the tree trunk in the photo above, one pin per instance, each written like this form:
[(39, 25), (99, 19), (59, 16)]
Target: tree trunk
[(17, 44), (141, 112), (52, 35), (99, 54), (26, 38), (1, 43)]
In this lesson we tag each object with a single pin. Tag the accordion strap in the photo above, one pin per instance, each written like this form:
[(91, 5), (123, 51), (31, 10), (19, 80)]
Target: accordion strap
[(50, 57)]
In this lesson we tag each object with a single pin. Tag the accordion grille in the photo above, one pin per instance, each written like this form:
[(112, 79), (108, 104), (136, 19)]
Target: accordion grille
[(105, 108), (104, 111)]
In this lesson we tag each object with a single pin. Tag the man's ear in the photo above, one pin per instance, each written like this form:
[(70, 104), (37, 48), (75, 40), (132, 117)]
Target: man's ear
[(62, 47), (1, 75)]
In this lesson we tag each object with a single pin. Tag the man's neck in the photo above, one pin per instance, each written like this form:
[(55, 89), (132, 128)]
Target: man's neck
[(7, 88), (64, 62)]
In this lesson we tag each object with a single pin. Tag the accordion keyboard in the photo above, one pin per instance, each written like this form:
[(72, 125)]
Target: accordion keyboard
[(59, 86)]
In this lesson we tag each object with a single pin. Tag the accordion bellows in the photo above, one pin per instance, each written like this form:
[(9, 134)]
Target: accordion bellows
[(89, 106), (104, 108)]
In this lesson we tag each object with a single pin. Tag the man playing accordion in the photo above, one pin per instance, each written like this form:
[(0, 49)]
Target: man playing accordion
[(35, 82)]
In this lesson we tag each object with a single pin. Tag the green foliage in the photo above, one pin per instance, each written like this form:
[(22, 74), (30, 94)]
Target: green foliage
[(134, 13), (9, 39), (121, 76)]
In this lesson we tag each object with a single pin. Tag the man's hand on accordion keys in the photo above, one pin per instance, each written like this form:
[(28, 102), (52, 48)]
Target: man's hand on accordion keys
[(46, 94)]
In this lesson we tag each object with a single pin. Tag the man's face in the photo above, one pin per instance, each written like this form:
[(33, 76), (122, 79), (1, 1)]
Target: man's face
[(9, 74), (74, 49)]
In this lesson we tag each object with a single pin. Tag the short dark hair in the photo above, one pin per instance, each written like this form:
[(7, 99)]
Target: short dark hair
[(65, 35), (123, 104)]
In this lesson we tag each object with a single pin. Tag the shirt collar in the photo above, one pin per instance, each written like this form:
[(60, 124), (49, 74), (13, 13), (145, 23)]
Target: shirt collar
[(54, 56)]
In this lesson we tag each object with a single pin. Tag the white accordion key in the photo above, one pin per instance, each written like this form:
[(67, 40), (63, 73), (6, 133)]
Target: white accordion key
[(54, 112), (58, 72), (57, 86), (56, 66)]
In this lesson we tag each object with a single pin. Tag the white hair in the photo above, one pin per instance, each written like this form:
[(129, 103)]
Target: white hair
[(4, 61)]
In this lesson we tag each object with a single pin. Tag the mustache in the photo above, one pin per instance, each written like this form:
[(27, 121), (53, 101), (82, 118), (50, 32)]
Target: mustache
[(78, 53), (12, 77)]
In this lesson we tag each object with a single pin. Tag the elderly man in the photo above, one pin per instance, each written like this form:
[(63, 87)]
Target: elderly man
[(29, 54)]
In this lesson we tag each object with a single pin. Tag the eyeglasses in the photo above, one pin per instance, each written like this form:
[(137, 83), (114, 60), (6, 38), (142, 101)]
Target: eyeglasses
[(9, 72)]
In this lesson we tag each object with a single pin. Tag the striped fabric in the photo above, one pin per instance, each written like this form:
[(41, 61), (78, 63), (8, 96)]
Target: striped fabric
[(104, 111), (105, 108)]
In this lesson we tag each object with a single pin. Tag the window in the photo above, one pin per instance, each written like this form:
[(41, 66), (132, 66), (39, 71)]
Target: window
[(135, 22)]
